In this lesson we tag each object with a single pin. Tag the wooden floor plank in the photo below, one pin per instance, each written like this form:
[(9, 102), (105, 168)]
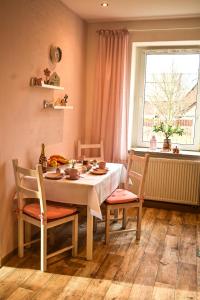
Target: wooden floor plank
[(75, 288), (198, 260), (167, 271), (185, 295), (5, 271), (109, 266), (129, 266), (141, 292), (13, 281), (163, 292), (53, 288), (21, 294), (187, 277), (118, 291), (97, 289), (190, 219), (145, 278), (156, 241), (36, 281), (175, 223), (187, 249)]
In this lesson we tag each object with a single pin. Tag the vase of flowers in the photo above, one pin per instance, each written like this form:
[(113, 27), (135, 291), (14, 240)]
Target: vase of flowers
[(73, 172), (169, 130)]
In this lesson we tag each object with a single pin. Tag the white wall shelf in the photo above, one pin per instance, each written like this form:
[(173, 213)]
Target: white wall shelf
[(47, 104), (49, 86), (70, 107)]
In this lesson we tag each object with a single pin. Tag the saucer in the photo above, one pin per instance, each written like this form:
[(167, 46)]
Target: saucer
[(69, 178), (99, 171), (54, 176)]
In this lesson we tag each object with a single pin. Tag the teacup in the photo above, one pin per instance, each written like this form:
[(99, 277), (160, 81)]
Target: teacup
[(73, 173), (67, 171), (102, 165)]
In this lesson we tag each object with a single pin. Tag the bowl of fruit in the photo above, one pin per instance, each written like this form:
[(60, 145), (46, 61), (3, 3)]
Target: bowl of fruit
[(56, 161)]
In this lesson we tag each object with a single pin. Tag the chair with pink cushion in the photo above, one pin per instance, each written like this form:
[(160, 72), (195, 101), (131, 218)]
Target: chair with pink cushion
[(125, 198), (41, 214)]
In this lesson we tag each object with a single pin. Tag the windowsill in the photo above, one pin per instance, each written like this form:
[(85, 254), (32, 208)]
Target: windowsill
[(193, 155)]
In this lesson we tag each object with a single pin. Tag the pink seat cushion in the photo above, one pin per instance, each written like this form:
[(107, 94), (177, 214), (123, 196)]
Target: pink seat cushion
[(121, 196), (53, 212)]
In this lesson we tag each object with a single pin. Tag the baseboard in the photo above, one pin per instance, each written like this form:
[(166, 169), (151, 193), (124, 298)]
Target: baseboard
[(171, 206), (6, 258)]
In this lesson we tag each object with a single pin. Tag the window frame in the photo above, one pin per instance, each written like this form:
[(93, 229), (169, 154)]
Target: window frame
[(138, 71)]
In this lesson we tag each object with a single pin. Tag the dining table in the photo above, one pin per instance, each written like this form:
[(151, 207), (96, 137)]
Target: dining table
[(89, 190)]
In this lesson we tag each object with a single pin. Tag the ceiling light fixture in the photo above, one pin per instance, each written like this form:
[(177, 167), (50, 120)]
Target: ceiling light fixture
[(104, 4)]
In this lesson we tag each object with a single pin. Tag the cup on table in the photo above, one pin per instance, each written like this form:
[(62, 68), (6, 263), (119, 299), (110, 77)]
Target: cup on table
[(73, 173), (102, 165)]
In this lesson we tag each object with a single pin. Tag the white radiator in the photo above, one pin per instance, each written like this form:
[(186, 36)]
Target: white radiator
[(173, 180)]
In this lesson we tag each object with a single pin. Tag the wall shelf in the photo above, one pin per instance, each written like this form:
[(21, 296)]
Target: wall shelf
[(49, 86), (47, 104), (70, 107)]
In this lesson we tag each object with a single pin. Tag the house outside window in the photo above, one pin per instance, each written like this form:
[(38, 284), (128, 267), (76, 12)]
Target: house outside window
[(166, 89)]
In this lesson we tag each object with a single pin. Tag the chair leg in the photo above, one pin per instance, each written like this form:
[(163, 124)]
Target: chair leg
[(27, 233), (43, 258), (20, 236), (94, 224), (52, 237), (124, 220), (139, 220), (116, 215), (75, 236), (107, 225)]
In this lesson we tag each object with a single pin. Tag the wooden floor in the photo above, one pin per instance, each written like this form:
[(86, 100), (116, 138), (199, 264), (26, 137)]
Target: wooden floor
[(163, 265)]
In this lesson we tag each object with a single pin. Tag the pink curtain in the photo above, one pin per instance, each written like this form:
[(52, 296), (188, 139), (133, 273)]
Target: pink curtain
[(110, 118)]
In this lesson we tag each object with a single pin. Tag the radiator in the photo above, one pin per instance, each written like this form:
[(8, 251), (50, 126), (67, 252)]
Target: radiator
[(173, 180)]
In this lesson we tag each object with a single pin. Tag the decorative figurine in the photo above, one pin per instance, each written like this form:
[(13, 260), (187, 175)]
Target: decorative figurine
[(38, 81), (54, 79), (176, 150), (64, 100), (47, 73)]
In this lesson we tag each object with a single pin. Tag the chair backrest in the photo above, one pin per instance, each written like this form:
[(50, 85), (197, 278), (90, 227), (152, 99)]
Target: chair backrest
[(23, 192), (82, 153), (136, 172)]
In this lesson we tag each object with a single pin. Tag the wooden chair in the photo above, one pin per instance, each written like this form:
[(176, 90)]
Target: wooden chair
[(124, 198), (40, 214), (83, 147)]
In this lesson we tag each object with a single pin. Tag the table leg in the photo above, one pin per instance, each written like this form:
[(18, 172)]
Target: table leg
[(89, 242)]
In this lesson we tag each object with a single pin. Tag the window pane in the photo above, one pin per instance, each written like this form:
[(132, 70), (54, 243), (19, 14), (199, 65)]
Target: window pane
[(171, 94)]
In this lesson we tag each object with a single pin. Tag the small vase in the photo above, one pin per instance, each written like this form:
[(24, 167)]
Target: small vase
[(167, 145)]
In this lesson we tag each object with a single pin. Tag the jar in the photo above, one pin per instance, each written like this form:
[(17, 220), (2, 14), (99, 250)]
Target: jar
[(153, 143)]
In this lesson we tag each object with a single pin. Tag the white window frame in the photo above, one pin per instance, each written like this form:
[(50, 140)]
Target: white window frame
[(138, 68)]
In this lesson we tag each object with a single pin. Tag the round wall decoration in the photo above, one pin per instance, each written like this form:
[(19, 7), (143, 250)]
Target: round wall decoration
[(55, 54)]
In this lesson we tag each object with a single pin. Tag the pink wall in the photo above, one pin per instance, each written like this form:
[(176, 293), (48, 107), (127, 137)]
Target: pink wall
[(28, 28), (140, 31)]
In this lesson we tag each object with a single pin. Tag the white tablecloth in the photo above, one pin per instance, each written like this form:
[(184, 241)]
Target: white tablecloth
[(89, 189)]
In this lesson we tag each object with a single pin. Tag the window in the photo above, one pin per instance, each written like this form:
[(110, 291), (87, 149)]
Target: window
[(167, 91)]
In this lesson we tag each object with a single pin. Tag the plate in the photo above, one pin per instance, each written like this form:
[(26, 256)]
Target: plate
[(99, 171), (54, 176)]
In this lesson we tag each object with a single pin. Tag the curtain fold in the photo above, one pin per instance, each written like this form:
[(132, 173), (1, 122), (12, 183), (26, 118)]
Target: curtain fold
[(110, 112)]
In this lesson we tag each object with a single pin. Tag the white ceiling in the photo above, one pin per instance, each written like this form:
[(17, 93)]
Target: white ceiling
[(91, 10)]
